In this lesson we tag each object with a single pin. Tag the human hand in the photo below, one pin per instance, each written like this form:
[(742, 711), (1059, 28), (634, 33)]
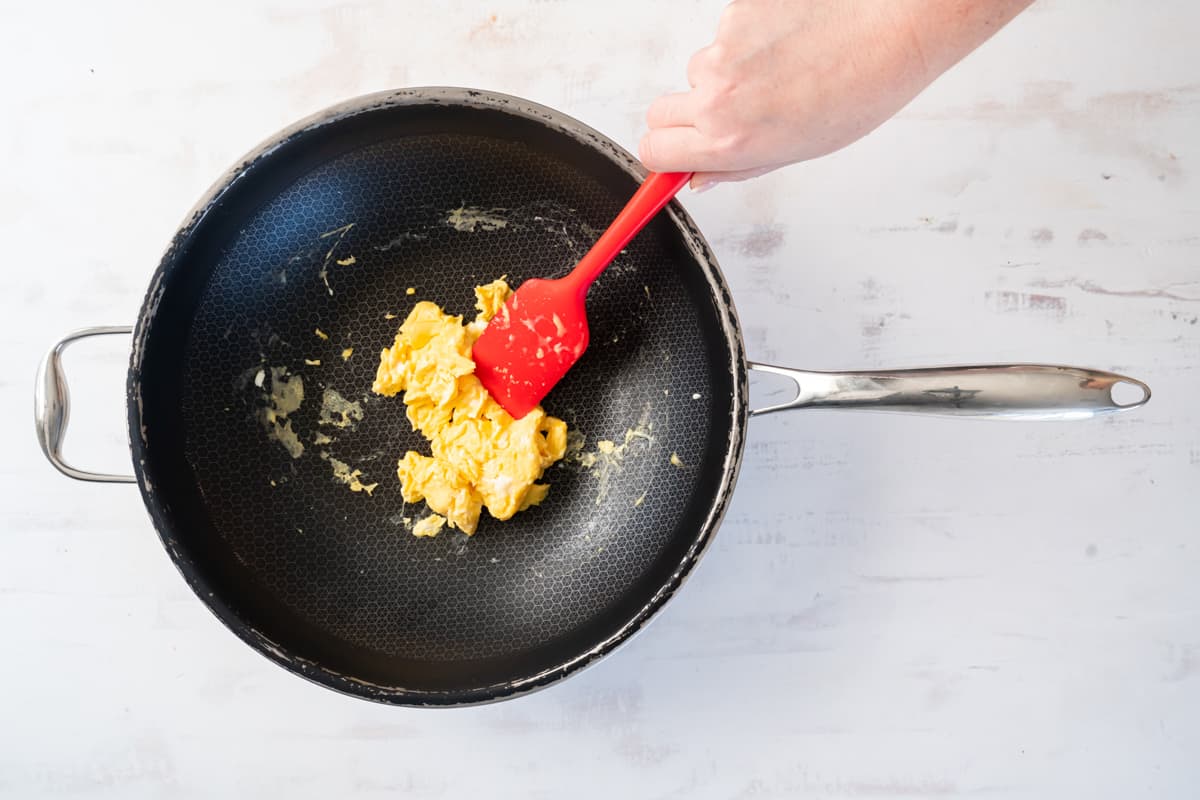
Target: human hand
[(790, 80)]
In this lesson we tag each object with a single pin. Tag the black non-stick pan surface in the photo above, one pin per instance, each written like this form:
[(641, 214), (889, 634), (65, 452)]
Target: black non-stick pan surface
[(327, 227)]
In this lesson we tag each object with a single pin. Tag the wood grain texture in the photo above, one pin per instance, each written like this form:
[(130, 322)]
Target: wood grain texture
[(895, 607)]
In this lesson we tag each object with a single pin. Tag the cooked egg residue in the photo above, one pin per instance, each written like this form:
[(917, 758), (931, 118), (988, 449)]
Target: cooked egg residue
[(481, 457), (343, 473), (283, 397), (338, 411), (469, 218), (608, 459), (429, 526)]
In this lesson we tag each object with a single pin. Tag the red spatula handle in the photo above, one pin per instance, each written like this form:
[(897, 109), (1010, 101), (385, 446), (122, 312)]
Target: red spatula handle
[(654, 193)]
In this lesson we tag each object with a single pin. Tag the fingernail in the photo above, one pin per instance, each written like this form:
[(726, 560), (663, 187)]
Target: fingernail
[(698, 188)]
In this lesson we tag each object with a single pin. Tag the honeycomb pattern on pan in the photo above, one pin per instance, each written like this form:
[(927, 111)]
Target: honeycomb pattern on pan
[(376, 220)]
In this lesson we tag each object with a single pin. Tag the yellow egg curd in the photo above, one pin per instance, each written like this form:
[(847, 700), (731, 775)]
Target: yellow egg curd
[(481, 456)]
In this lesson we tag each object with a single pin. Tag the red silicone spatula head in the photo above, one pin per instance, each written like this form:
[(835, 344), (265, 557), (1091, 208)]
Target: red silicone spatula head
[(531, 343), (542, 331)]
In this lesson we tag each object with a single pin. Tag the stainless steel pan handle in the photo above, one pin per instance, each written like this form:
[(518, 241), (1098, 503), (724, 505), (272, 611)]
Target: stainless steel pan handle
[(52, 406), (1011, 391)]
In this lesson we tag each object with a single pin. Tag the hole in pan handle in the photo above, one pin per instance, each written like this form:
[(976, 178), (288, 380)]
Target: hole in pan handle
[(52, 405), (1000, 391)]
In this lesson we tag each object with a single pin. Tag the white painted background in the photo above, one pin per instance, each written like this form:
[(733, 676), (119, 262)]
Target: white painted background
[(895, 608)]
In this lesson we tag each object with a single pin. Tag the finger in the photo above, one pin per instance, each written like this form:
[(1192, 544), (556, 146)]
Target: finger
[(671, 110), (702, 181), (678, 149)]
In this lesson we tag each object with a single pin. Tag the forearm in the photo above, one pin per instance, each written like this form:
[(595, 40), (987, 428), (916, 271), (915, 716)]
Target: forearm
[(945, 31)]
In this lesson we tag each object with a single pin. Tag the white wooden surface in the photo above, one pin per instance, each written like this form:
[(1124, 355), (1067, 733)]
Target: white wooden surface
[(895, 608)]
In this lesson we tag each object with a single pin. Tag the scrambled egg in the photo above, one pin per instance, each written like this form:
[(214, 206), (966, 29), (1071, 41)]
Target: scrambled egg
[(481, 456)]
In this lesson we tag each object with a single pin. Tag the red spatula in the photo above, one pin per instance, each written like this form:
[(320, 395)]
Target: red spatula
[(542, 331)]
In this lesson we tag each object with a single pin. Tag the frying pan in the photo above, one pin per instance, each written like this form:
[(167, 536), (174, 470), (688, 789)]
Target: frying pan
[(309, 248)]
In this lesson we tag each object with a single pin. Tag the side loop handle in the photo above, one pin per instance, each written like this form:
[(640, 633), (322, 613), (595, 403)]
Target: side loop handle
[(52, 406)]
